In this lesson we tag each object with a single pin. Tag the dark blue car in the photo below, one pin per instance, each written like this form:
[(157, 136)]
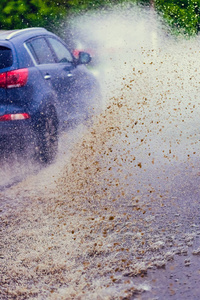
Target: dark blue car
[(43, 88)]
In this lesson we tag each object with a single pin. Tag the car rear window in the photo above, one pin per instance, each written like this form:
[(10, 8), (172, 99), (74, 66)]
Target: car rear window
[(6, 58)]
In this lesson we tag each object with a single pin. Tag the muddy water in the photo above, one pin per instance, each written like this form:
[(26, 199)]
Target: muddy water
[(117, 215)]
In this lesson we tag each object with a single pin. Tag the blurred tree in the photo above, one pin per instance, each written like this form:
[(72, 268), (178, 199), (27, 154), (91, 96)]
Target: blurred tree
[(25, 13), (182, 15), (78, 5)]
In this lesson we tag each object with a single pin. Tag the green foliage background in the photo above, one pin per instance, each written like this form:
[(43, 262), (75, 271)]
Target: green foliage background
[(183, 16), (25, 13)]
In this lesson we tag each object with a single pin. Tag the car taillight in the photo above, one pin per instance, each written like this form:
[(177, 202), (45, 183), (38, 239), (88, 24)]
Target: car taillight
[(14, 79), (14, 117), (3, 80)]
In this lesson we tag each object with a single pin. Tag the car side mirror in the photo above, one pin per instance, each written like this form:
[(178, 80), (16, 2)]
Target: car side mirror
[(84, 58)]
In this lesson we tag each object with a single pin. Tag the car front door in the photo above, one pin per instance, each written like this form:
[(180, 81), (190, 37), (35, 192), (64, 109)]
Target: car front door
[(68, 78), (52, 72)]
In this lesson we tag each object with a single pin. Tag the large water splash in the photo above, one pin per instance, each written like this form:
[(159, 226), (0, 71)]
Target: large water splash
[(120, 207)]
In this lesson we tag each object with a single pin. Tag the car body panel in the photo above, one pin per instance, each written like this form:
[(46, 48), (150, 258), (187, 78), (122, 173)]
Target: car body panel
[(3, 92)]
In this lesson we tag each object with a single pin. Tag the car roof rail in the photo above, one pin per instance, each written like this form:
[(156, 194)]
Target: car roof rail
[(20, 31)]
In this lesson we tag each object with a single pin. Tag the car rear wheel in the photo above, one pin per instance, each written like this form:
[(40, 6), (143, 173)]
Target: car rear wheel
[(47, 137)]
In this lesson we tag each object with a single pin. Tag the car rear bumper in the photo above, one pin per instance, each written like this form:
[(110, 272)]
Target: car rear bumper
[(16, 130)]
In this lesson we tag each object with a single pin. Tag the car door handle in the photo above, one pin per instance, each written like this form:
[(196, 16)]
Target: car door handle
[(47, 77), (69, 75)]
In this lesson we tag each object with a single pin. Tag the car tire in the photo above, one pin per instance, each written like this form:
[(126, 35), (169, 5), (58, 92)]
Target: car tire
[(47, 137)]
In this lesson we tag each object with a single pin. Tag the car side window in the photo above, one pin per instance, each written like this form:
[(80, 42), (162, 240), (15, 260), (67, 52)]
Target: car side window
[(6, 58), (41, 51), (60, 50)]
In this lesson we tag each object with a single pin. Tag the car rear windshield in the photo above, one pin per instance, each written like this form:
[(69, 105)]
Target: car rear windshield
[(6, 58)]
